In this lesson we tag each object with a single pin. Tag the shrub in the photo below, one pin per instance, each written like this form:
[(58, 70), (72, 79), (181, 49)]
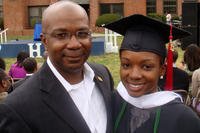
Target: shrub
[(33, 22), (157, 17), (107, 18), (176, 17)]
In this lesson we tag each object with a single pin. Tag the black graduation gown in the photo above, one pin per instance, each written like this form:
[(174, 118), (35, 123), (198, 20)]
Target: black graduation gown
[(175, 117)]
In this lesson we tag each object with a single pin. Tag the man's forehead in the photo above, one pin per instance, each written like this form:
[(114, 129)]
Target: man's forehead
[(64, 7), (67, 10)]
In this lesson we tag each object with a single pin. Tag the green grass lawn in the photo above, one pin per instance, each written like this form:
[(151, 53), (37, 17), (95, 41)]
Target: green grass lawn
[(109, 60), (20, 38)]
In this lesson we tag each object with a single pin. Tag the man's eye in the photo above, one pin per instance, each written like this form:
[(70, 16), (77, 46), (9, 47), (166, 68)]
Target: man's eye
[(83, 34), (61, 35)]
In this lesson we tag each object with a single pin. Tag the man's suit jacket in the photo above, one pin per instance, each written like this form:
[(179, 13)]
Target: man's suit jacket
[(42, 105), (17, 84), (21, 81)]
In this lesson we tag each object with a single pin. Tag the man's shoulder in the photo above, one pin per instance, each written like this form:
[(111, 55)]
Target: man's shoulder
[(180, 72), (97, 67)]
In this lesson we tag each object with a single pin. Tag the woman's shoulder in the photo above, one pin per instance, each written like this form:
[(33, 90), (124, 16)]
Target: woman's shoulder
[(196, 73), (178, 109)]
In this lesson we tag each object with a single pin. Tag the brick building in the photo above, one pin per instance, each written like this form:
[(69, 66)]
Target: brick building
[(21, 15)]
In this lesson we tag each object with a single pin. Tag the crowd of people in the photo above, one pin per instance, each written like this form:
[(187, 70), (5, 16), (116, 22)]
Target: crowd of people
[(67, 94)]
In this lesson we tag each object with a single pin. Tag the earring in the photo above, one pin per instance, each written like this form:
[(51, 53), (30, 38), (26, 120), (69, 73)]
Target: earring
[(161, 77)]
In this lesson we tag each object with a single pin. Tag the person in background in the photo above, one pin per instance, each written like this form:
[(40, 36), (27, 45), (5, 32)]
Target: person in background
[(181, 78), (68, 94), (16, 70), (191, 57), (168, 18), (45, 55), (30, 66), (2, 64), (5, 83), (138, 104), (192, 60)]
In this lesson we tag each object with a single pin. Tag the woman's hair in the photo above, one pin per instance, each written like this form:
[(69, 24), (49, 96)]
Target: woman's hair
[(2, 74), (192, 57), (21, 57), (30, 65), (2, 64)]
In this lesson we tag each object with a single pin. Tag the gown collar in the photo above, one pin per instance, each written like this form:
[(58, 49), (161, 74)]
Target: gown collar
[(147, 101)]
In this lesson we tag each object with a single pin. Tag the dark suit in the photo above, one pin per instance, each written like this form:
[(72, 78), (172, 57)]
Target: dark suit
[(42, 105), (17, 84), (21, 81)]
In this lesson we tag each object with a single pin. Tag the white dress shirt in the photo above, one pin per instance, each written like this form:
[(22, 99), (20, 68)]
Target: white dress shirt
[(87, 98)]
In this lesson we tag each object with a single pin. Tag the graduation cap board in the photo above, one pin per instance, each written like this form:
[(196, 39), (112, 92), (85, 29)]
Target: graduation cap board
[(142, 33)]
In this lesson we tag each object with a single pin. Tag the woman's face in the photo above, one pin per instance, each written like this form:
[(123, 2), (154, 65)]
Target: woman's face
[(140, 72)]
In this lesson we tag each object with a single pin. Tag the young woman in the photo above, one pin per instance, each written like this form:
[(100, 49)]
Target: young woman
[(192, 60), (16, 70), (139, 106)]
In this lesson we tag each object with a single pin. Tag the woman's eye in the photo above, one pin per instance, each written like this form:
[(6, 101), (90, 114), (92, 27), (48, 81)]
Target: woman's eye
[(125, 65), (147, 67)]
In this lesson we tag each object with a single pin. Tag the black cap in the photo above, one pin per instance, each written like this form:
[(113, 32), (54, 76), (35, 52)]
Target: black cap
[(142, 33)]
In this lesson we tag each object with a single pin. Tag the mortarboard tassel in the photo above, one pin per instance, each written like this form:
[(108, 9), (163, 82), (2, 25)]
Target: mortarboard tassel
[(169, 74)]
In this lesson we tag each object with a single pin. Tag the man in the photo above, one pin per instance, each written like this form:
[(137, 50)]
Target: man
[(66, 95)]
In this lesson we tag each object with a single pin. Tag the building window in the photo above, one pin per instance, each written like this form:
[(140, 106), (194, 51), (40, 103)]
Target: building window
[(112, 8), (35, 15), (170, 6), (151, 6)]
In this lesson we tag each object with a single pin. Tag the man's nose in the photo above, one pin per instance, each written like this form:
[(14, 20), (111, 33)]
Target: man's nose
[(73, 43)]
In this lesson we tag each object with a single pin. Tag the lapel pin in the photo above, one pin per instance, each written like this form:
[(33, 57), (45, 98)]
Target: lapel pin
[(99, 78)]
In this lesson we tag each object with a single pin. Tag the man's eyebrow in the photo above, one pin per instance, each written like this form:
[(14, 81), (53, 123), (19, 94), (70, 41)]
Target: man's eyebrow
[(59, 30)]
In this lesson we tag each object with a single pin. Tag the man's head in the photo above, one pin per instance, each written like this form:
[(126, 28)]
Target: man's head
[(30, 65), (5, 81), (66, 36)]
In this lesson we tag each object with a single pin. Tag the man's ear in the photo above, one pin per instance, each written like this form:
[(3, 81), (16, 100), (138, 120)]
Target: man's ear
[(44, 41)]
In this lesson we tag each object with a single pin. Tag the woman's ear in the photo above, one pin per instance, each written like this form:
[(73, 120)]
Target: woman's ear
[(162, 69)]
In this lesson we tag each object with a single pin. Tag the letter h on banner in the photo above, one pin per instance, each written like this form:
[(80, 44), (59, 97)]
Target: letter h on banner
[(34, 48)]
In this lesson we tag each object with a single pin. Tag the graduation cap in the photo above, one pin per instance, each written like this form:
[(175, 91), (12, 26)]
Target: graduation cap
[(142, 33)]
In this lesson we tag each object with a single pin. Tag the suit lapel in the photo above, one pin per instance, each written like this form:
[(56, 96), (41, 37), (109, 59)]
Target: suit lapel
[(58, 99), (100, 83)]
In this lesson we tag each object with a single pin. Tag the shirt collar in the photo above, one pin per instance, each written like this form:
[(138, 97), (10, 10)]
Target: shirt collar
[(88, 75), (29, 74), (149, 100)]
